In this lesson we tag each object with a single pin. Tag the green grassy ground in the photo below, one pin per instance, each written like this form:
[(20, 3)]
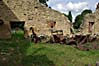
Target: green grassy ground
[(20, 52)]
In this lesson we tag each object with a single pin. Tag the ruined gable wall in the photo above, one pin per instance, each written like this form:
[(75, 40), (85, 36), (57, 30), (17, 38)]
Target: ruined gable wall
[(37, 15), (97, 21), (88, 18), (5, 15), (94, 17)]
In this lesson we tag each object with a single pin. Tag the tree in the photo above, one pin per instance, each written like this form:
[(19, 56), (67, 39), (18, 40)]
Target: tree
[(69, 16), (86, 12), (78, 21), (65, 14), (79, 18), (43, 2)]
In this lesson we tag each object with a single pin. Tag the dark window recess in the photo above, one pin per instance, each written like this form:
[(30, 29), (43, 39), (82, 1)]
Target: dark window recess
[(17, 24), (52, 26), (36, 7), (1, 22), (24, 14), (91, 26)]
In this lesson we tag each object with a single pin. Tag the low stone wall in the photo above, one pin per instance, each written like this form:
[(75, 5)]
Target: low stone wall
[(5, 32)]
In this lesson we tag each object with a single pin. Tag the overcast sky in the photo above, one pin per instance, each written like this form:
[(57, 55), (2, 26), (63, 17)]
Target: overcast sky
[(75, 6)]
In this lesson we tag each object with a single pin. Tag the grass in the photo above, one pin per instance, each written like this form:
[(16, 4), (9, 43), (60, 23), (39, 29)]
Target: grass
[(20, 52)]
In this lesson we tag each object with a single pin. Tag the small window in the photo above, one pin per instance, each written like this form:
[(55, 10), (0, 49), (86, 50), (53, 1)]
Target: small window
[(35, 7)]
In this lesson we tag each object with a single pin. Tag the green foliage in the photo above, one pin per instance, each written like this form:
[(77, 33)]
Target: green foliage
[(79, 18), (44, 2), (86, 12), (65, 15), (70, 16), (18, 51), (78, 21)]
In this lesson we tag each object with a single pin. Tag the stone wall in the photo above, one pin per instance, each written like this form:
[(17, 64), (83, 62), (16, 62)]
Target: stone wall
[(5, 32), (6, 15), (34, 14), (94, 17)]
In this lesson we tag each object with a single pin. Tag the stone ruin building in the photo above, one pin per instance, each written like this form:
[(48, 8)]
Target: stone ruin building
[(32, 14), (91, 23)]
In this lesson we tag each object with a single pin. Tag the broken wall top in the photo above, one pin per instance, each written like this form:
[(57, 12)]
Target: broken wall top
[(34, 14), (30, 9)]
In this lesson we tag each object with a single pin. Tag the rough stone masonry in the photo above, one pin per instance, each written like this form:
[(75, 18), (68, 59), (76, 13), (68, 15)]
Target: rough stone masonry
[(91, 23), (34, 14)]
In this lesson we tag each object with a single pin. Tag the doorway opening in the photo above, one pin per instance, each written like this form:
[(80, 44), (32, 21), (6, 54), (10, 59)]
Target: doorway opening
[(91, 27), (17, 28)]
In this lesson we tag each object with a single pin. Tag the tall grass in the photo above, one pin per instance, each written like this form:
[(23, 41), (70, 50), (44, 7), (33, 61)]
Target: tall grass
[(20, 52)]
